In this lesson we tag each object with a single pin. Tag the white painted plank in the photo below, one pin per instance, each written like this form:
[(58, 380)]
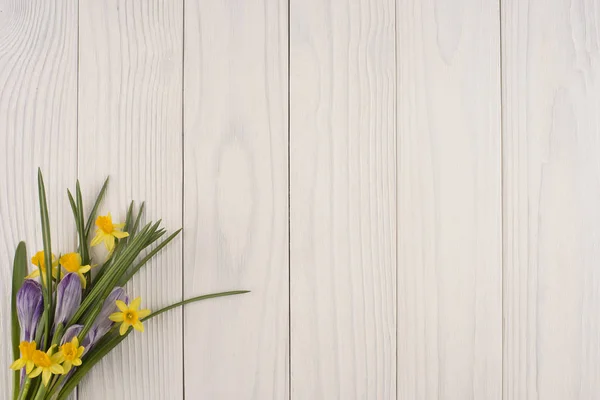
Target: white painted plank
[(343, 200), (38, 119), (449, 200), (130, 128), (551, 214), (236, 209)]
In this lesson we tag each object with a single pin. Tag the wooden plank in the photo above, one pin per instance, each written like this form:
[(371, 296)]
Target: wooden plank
[(343, 200), (38, 120), (449, 200), (130, 128), (551, 214), (235, 199)]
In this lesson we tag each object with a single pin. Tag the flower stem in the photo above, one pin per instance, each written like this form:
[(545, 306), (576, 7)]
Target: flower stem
[(26, 387)]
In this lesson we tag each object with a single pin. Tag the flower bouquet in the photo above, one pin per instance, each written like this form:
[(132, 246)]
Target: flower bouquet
[(63, 324)]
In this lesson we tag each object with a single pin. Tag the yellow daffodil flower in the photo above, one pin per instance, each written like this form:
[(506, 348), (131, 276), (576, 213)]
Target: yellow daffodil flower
[(129, 315), (26, 360), (72, 263), (38, 259), (47, 364), (107, 232), (70, 354)]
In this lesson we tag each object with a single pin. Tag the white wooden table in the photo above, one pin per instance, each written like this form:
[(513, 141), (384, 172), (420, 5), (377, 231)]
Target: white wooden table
[(410, 188)]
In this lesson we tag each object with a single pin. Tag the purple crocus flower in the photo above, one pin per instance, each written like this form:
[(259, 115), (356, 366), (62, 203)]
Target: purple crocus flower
[(102, 324), (73, 331), (68, 298), (30, 303)]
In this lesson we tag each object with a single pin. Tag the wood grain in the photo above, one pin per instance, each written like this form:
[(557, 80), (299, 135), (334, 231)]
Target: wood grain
[(38, 120), (235, 199), (342, 200), (551, 214), (449, 200), (130, 85)]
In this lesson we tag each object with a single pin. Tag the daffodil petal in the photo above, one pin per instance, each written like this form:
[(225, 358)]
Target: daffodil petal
[(139, 326), (123, 329), (135, 304), (46, 375), (143, 313), (36, 372), (56, 369), (116, 317), (97, 239), (85, 268), (67, 367), (29, 367), (121, 305), (34, 274), (120, 235), (77, 362), (18, 364), (109, 243)]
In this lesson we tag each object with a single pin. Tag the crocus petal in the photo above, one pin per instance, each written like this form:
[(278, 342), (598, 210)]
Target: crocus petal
[(68, 298), (102, 324), (74, 331), (30, 303), (70, 333)]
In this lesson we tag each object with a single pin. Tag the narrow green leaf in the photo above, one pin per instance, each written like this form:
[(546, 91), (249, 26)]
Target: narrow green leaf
[(103, 347), (92, 216), (110, 341), (83, 246), (19, 274), (137, 220), (194, 299), (151, 254), (47, 245)]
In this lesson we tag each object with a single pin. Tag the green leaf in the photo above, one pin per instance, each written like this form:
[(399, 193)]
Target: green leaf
[(83, 246), (151, 254), (47, 249), (92, 216), (19, 274), (103, 347), (111, 340), (194, 299), (137, 221)]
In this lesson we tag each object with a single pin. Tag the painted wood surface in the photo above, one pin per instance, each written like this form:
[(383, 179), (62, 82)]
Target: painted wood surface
[(342, 200), (551, 96), (409, 188), (130, 113), (38, 128), (449, 200), (236, 199)]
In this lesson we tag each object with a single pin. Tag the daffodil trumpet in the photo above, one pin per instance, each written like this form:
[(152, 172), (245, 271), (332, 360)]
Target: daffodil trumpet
[(63, 321)]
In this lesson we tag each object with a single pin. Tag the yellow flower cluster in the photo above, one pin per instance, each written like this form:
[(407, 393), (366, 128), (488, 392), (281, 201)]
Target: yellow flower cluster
[(106, 233), (48, 363)]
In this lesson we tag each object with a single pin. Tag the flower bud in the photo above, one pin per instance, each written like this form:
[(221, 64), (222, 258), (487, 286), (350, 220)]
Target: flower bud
[(30, 304), (102, 324), (68, 298)]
